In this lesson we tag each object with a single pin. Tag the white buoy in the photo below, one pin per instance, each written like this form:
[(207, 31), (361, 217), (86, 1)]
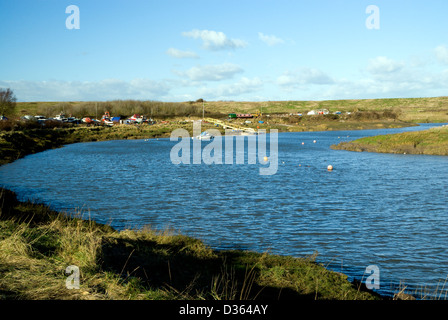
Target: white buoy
[(330, 167), (314, 141)]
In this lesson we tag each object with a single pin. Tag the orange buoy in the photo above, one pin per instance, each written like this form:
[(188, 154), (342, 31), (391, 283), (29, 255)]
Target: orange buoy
[(330, 167), (265, 159)]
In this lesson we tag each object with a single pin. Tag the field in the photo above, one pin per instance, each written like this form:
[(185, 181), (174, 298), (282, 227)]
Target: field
[(408, 109), (432, 142)]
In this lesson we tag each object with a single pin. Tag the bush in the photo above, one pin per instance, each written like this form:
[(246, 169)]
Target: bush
[(389, 114), (6, 125)]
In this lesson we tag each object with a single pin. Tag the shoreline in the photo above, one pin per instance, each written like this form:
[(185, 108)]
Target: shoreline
[(433, 141), (146, 264), (40, 139), (355, 289)]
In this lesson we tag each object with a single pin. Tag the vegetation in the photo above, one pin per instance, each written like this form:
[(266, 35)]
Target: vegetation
[(123, 108), (417, 110), (38, 244), (7, 102), (281, 115), (22, 138), (431, 142)]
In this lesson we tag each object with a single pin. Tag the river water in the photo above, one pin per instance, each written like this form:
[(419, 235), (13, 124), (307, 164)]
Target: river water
[(385, 210)]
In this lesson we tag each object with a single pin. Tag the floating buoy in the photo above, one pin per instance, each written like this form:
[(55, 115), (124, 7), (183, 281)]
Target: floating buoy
[(330, 167), (265, 159), (314, 141), (303, 143)]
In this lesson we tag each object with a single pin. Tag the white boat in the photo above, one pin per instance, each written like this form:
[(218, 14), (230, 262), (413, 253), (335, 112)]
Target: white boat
[(204, 136), (60, 117)]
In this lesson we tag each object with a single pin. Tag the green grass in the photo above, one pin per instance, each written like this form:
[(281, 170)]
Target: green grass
[(431, 142), (37, 244)]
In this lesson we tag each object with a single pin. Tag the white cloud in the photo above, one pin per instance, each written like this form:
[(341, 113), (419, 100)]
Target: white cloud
[(176, 53), (211, 72), (232, 90), (442, 54), (213, 40), (270, 40), (107, 89), (304, 76), (384, 65), (411, 82), (385, 78)]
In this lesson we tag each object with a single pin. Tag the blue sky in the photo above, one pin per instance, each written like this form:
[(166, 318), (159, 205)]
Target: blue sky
[(243, 50)]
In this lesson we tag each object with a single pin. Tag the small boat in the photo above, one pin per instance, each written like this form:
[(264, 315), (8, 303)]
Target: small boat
[(204, 136), (106, 119)]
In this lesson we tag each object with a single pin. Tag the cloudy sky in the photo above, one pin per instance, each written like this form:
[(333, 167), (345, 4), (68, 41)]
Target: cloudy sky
[(243, 50)]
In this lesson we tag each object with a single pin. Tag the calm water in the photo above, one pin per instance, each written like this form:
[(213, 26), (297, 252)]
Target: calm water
[(372, 209)]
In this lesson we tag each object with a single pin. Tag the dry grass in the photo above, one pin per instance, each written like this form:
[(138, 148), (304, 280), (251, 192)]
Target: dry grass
[(430, 142), (434, 109)]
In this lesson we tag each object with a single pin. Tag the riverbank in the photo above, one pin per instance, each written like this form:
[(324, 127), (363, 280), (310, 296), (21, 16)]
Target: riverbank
[(18, 142), (37, 244), (15, 144), (433, 141)]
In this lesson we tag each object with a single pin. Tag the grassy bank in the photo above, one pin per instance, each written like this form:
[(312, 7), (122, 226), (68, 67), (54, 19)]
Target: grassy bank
[(17, 143), (430, 142), (38, 244)]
